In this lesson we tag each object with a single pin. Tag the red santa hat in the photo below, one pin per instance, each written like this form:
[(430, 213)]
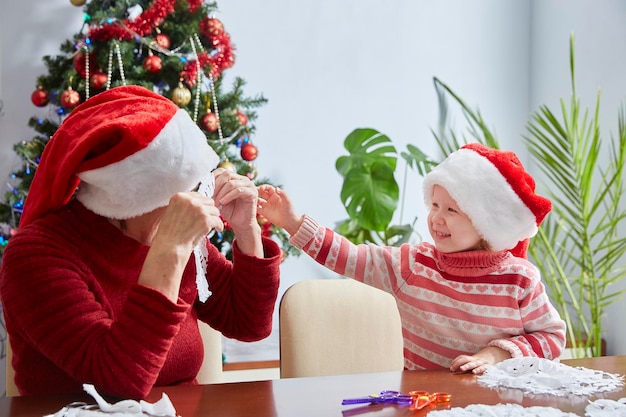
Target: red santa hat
[(123, 152), (494, 190)]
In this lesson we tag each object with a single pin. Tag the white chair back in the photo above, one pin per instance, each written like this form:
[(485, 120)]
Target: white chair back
[(338, 326)]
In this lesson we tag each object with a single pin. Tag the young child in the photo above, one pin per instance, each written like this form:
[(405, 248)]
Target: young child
[(472, 298)]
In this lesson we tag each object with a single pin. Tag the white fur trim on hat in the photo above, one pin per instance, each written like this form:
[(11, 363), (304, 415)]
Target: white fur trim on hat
[(174, 161), (485, 196)]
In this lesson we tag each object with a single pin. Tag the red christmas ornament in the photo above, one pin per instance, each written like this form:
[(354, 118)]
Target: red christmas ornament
[(162, 40), (40, 97), (153, 64), (211, 27), (99, 80), (209, 122), (242, 117), (249, 152), (80, 64), (266, 226), (70, 99)]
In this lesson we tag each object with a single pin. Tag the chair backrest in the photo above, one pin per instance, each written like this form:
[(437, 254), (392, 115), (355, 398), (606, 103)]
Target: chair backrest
[(210, 372), (338, 326), (11, 389)]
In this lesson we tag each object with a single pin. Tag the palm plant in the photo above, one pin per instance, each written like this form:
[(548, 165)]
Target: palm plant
[(578, 249)]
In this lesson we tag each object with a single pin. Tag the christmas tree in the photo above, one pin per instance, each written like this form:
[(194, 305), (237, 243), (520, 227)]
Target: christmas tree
[(174, 47)]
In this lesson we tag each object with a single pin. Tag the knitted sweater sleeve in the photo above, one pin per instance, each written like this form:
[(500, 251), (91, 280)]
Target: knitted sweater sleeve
[(378, 266), (244, 293), (544, 330), (52, 308)]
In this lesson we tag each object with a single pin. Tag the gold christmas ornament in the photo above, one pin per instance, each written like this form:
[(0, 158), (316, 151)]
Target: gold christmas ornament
[(181, 95), (228, 166), (78, 3)]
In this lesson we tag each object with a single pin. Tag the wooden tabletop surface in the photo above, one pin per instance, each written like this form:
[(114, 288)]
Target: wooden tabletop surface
[(322, 396)]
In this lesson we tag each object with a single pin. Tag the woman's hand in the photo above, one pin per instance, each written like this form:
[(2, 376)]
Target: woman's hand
[(177, 229), (236, 198), (187, 219)]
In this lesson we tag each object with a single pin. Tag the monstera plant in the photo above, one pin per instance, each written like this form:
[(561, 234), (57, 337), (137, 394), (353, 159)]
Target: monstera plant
[(580, 248)]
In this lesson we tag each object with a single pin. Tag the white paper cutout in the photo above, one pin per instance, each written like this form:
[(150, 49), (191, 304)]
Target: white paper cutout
[(201, 254), (543, 376), (124, 408)]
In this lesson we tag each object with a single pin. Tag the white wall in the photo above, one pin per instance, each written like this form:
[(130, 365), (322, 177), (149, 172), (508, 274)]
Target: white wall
[(330, 66)]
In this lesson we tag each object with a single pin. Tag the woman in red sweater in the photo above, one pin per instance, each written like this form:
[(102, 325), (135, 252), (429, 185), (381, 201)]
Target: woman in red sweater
[(107, 276), (471, 298)]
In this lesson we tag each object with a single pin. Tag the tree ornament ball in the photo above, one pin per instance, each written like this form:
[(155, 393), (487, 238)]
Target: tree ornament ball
[(181, 95), (78, 3), (70, 99), (99, 80), (252, 174), (242, 117), (228, 166), (162, 40), (209, 122), (153, 64), (40, 97), (215, 27), (249, 152), (80, 62)]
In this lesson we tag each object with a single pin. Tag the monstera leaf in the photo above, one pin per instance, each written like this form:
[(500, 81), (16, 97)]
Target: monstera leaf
[(370, 192)]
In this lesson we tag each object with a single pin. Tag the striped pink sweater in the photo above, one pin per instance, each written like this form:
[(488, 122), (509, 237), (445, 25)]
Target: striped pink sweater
[(450, 303)]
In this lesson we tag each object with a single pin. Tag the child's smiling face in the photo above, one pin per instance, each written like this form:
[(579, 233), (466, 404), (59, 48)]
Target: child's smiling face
[(450, 228)]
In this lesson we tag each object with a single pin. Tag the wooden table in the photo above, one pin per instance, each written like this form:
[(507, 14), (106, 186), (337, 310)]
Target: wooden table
[(321, 396)]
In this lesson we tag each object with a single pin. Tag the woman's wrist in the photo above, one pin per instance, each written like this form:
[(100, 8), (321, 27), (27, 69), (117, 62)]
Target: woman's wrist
[(249, 240)]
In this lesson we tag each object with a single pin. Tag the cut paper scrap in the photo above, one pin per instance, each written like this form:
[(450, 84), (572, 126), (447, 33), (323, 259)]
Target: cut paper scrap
[(200, 252), (606, 408), (124, 408), (543, 376)]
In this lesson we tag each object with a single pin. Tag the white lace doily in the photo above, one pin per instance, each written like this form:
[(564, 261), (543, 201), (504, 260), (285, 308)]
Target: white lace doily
[(500, 410), (598, 408), (543, 376)]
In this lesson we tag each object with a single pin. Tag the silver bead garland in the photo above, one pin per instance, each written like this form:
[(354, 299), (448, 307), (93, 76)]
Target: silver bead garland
[(213, 95), (196, 105), (86, 72), (119, 63)]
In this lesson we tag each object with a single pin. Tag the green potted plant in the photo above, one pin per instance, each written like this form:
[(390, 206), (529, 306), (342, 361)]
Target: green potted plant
[(578, 249), (370, 193)]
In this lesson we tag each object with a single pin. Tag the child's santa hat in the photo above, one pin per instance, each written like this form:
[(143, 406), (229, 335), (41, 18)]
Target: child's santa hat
[(125, 152), (492, 188)]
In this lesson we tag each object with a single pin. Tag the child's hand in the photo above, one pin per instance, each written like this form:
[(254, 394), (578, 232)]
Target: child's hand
[(476, 363), (275, 206)]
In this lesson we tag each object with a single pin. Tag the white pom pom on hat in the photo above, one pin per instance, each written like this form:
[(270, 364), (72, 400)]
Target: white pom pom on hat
[(494, 190), (124, 152)]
